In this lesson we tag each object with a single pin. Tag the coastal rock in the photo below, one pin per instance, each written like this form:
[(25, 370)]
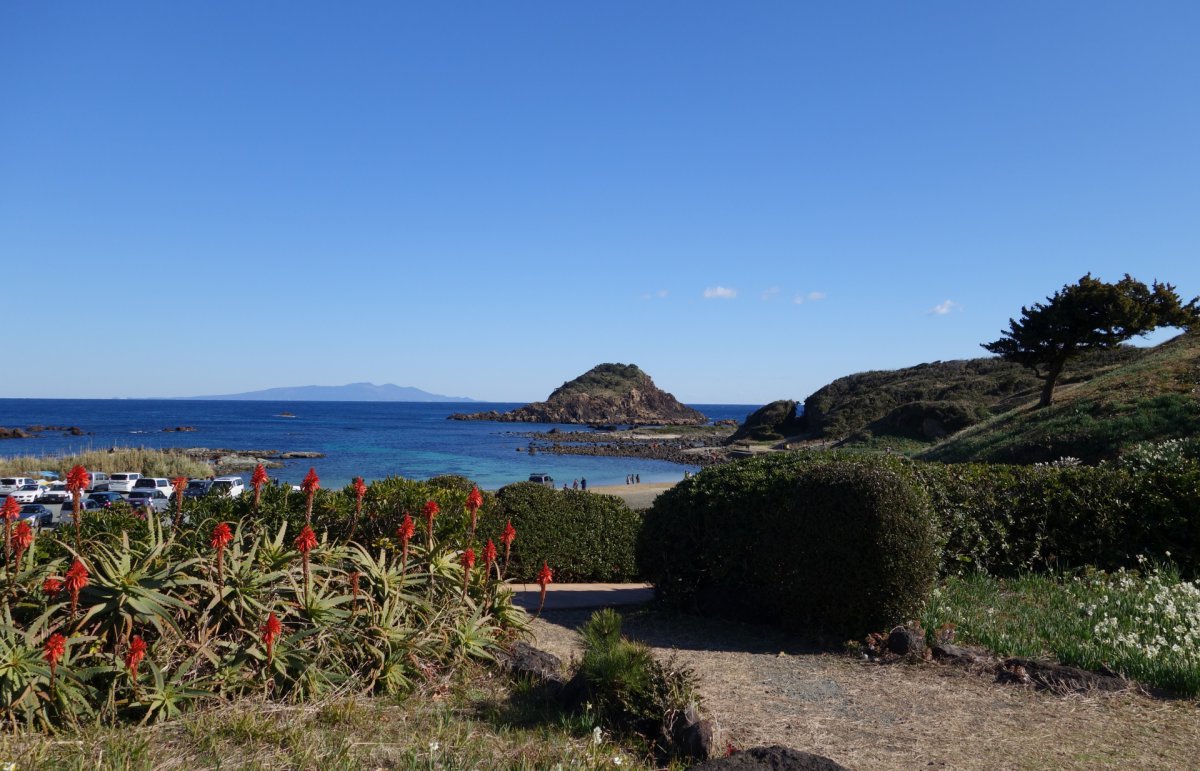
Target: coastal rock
[(776, 420), (12, 433), (770, 759), (608, 394), (299, 454)]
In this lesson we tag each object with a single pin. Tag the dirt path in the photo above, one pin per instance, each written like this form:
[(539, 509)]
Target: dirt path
[(639, 496), (761, 689)]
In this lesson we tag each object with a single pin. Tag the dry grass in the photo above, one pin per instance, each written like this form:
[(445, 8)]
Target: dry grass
[(153, 463), (763, 689), (468, 723)]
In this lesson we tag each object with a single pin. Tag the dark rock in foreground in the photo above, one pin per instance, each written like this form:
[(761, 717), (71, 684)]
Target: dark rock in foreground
[(770, 758), (606, 394)]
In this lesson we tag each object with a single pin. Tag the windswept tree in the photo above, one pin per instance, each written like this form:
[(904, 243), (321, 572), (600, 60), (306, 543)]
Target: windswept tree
[(1088, 316)]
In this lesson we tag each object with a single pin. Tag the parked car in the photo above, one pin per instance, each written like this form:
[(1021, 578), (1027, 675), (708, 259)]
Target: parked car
[(542, 479), (10, 485), (154, 499), (33, 512), (98, 482), (197, 488), (122, 481), (26, 493), (231, 486), (154, 483), (66, 514), (55, 493), (105, 499)]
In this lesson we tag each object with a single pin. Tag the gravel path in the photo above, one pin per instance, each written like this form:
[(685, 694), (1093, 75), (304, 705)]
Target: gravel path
[(761, 688)]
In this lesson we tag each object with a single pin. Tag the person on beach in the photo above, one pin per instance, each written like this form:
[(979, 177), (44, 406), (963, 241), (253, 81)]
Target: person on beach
[(583, 484), (574, 484)]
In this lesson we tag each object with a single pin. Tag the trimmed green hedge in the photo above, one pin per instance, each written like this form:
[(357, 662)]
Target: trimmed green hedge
[(845, 543), (583, 536), (1011, 519)]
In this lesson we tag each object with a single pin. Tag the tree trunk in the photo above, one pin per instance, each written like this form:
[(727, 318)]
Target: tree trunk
[(1052, 374)]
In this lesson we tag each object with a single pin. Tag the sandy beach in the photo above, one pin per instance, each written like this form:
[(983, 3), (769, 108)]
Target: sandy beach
[(636, 496)]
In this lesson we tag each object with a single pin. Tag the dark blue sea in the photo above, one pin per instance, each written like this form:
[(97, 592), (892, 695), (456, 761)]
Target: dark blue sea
[(368, 439)]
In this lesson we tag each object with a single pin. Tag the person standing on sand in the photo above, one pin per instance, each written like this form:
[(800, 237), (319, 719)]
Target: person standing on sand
[(583, 484), (574, 484), (637, 479)]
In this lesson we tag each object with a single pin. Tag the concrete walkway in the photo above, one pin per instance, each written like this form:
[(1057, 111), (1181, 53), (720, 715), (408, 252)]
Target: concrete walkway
[(582, 596)]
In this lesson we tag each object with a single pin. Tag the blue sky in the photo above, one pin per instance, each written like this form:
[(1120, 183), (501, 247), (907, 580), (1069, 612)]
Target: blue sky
[(487, 199)]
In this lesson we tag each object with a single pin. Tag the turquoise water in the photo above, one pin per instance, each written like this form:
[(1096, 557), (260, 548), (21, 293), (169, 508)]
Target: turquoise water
[(368, 439)]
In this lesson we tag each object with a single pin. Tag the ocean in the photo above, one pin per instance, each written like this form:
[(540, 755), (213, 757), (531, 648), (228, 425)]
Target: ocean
[(373, 440)]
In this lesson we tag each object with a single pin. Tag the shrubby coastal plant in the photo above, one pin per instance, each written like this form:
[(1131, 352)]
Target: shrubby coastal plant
[(137, 618)]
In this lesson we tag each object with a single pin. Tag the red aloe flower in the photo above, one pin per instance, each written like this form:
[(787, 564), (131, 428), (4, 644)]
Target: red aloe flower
[(10, 511), (544, 577), (360, 489), (474, 503), (309, 486), (22, 539), (53, 650), (257, 481), (405, 534), (222, 536), (507, 537), (77, 578), (468, 562), (180, 484), (270, 633), (52, 586), (137, 652), (306, 541), (431, 511), (78, 479), (489, 556)]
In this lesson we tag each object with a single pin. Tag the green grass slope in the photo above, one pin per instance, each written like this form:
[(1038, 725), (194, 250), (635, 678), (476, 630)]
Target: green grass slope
[(1153, 396), (924, 403)]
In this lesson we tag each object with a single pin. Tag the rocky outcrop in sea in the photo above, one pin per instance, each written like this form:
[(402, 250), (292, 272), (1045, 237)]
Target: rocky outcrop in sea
[(606, 394)]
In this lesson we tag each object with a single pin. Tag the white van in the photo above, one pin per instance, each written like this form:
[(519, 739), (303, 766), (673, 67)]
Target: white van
[(122, 481), (98, 482), (231, 486), (9, 485)]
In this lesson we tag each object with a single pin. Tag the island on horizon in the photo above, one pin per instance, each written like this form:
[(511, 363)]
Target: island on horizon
[(352, 392)]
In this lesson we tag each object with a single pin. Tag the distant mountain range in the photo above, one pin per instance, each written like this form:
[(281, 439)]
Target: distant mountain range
[(353, 392)]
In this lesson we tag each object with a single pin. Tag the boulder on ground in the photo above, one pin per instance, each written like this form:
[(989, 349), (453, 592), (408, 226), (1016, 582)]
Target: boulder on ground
[(774, 758)]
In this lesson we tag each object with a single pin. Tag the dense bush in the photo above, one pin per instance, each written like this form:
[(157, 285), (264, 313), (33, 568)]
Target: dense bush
[(845, 543), (584, 536), (1010, 519)]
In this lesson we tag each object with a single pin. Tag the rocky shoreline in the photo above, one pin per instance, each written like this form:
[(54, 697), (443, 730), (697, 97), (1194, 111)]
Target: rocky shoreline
[(694, 447), (225, 460)]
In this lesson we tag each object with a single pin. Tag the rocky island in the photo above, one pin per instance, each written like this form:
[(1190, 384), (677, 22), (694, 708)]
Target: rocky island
[(608, 394)]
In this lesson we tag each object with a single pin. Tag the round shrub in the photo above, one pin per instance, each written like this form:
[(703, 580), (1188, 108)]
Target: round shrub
[(844, 544), (582, 536)]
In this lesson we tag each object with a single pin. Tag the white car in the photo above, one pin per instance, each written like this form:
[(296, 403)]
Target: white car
[(231, 486), (122, 481), (26, 493)]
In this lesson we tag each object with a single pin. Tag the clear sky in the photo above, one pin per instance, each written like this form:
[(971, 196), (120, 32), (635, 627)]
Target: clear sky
[(486, 199)]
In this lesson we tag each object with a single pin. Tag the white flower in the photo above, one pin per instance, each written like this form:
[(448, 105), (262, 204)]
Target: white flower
[(433, 746), (597, 736), (618, 760)]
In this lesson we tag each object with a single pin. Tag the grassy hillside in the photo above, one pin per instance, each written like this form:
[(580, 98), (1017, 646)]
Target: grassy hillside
[(1151, 397), (929, 401)]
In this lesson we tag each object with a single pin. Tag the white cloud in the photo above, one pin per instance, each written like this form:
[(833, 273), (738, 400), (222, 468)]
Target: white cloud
[(661, 293), (767, 295), (810, 297), (719, 293), (944, 308), (652, 295), (815, 296)]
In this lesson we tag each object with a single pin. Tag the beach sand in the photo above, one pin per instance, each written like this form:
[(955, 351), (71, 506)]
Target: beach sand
[(636, 496)]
